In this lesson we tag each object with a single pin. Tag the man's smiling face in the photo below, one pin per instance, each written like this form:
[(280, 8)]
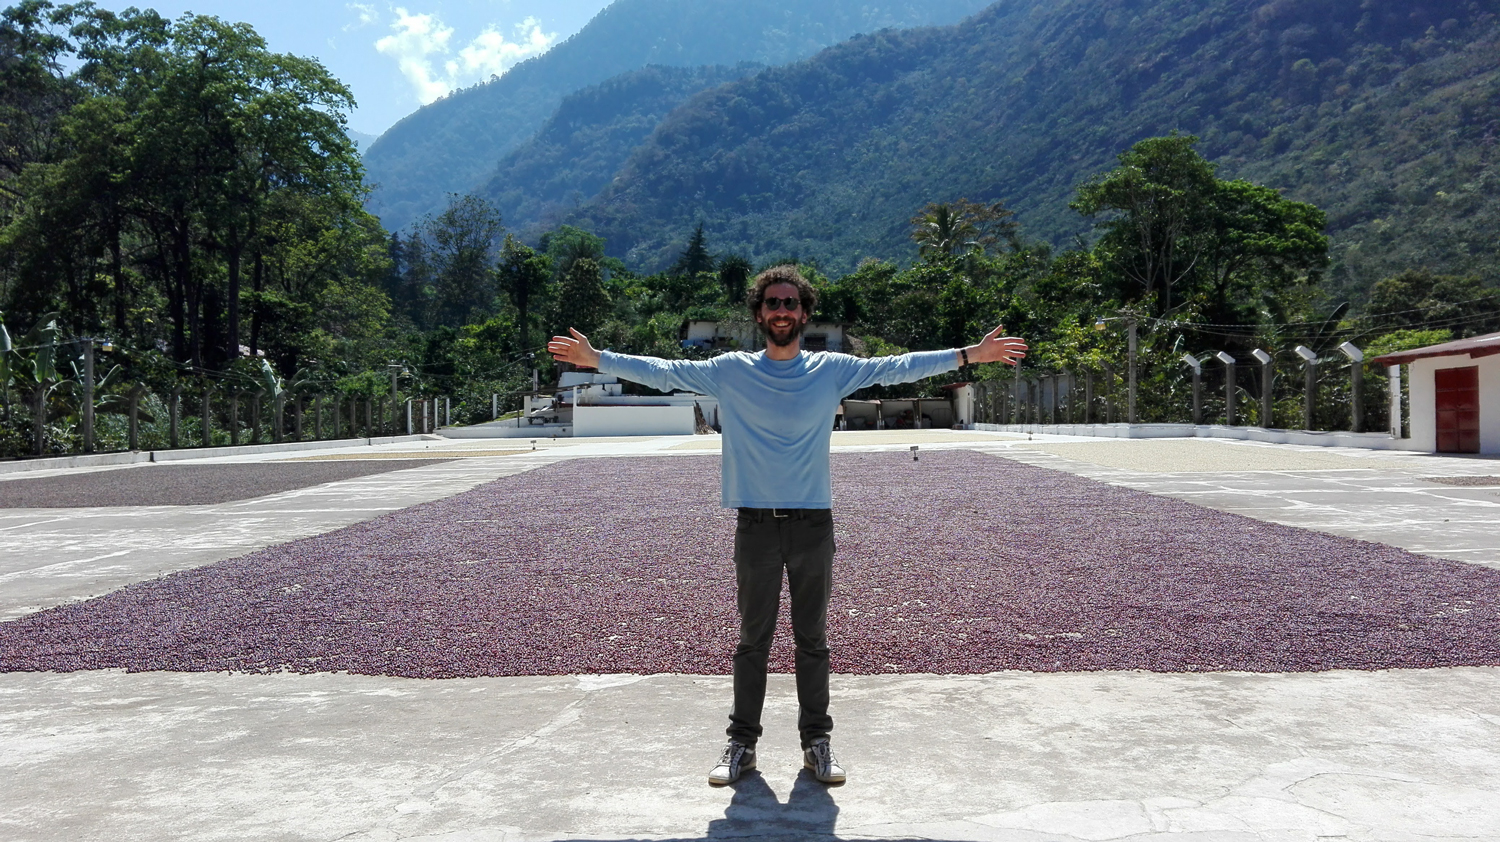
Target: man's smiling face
[(782, 326)]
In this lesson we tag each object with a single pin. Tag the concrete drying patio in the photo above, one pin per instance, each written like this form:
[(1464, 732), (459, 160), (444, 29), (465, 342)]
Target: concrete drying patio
[(1025, 755)]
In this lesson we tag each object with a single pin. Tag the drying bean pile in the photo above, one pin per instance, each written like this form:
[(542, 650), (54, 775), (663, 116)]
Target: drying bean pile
[(185, 485), (959, 563)]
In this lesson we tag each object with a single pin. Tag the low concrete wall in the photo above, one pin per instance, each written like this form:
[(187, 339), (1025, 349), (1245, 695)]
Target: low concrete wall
[(1372, 441), (633, 421), (507, 430), (99, 460)]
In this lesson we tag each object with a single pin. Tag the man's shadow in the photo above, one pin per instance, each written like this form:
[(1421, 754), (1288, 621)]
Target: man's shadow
[(754, 809)]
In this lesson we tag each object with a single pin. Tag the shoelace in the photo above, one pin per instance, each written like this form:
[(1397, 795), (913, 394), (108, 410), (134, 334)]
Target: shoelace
[(823, 753), (732, 755)]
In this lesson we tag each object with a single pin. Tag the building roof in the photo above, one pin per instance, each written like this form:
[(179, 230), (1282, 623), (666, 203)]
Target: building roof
[(1474, 347)]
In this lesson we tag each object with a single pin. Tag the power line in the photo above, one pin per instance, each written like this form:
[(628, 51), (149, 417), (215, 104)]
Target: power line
[(1365, 317)]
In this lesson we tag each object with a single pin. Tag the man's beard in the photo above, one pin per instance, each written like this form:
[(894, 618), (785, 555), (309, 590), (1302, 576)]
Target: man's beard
[(782, 338)]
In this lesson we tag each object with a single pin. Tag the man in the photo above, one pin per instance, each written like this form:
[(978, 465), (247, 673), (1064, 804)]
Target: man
[(777, 409)]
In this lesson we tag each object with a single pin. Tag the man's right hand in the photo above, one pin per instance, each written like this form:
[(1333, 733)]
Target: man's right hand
[(575, 350)]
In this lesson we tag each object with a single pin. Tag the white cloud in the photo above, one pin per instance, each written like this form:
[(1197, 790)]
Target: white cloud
[(420, 46), (366, 13)]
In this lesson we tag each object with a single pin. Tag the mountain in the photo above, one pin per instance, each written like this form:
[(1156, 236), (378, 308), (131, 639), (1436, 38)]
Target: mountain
[(1384, 113), (452, 145), (361, 140), (590, 137)]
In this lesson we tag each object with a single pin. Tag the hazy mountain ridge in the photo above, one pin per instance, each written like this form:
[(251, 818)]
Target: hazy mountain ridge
[(829, 157), (453, 144), (589, 138)]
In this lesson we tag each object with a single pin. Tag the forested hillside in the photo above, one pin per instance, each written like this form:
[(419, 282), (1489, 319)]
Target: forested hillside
[(1385, 113), (453, 144), (588, 140), (176, 192)]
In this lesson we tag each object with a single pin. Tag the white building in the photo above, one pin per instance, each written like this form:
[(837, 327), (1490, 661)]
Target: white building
[(902, 413), (708, 335), (589, 404), (1454, 393)]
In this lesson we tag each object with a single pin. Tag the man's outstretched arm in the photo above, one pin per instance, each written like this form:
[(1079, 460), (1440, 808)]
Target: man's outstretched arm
[(920, 365), (657, 373)]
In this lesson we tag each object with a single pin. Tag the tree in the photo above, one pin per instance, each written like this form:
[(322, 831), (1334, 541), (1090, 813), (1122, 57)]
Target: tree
[(181, 139), (943, 230), (462, 243), (1420, 300), (1175, 235), (734, 278), (523, 275), (1258, 250), (1155, 199), (582, 302), (695, 259), (568, 244), (34, 89)]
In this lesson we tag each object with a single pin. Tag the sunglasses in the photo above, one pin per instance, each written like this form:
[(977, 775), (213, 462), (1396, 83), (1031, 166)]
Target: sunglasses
[(774, 304)]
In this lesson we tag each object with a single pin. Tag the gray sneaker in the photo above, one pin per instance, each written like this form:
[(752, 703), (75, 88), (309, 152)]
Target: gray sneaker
[(825, 767), (736, 760)]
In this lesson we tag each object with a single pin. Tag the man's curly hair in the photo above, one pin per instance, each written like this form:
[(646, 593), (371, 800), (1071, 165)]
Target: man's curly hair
[(786, 273)]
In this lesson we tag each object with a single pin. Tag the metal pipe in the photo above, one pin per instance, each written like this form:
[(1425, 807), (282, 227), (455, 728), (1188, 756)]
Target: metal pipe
[(88, 396)]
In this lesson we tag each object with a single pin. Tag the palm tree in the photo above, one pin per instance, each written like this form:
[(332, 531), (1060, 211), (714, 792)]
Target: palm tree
[(946, 229)]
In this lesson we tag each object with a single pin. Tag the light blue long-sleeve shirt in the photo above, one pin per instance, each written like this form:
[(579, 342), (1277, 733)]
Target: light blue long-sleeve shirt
[(777, 415)]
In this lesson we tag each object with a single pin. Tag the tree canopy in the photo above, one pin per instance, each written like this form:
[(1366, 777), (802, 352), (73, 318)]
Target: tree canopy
[(188, 156)]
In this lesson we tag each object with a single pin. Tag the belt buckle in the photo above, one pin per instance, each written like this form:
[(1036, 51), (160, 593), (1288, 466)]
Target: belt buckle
[(777, 513)]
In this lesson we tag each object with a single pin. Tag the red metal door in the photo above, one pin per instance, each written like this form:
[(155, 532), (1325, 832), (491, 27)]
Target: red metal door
[(1458, 410)]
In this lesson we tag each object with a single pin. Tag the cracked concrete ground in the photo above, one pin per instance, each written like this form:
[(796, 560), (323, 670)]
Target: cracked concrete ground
[(1393, 755), (1383, 496), (1011, 756)]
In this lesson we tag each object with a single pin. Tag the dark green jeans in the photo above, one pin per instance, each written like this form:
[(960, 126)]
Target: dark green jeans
[(765, 545)]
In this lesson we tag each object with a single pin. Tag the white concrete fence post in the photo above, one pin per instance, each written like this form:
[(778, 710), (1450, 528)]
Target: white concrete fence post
[(1228, 362), (1356, 386), (1196, 365), (1310, 363), (1267, 379)]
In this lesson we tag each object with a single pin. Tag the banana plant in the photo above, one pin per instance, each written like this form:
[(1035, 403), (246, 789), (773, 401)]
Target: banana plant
[(33, 364), (52, 377), (5, 348), (269, 381)]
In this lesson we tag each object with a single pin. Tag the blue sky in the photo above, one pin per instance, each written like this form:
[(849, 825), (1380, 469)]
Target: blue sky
[(398, 56)]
